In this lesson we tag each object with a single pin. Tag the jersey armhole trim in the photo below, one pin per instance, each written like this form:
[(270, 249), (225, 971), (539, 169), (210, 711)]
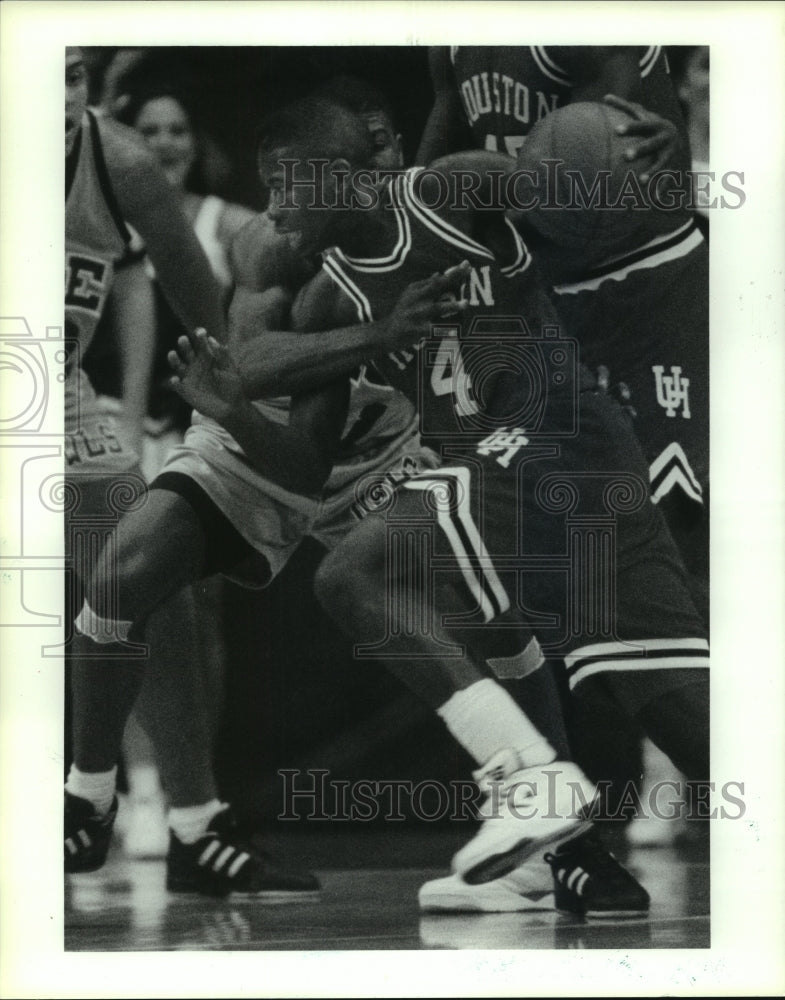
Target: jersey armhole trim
[(438, 225), (104, 180), (72, 163), (347, 286), (548, 66)]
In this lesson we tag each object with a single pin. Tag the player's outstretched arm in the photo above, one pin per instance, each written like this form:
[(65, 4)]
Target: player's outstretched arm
[(446, 129), (299, 456), (328, 342), (132, 312), (146, 201)]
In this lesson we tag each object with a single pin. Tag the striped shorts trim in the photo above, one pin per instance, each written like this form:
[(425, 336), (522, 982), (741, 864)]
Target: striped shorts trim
[(642, 654), (450, 497)]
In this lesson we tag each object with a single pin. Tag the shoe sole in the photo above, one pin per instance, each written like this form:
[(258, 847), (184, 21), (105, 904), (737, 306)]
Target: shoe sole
[(600, 914), (502, 864), (86, 869), (451, 904), (268, 896)]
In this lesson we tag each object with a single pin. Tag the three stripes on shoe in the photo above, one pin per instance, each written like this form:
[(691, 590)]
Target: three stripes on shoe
[(83, 836), (223, 859), (575, 880)]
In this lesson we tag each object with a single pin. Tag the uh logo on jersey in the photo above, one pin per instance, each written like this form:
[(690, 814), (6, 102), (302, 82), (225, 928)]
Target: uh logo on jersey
[(672, 390)]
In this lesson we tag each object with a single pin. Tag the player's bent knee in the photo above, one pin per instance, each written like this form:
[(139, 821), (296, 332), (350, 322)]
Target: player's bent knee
[(352, 571), (335, 584)]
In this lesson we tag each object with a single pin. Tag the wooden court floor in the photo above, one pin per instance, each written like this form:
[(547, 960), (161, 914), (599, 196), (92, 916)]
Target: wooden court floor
[(369, 901)]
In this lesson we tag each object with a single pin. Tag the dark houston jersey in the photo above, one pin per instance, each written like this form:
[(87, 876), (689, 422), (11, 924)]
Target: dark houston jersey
[(505, 89), (497, 362)]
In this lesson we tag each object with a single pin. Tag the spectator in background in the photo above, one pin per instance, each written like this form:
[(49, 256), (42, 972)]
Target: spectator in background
[(692, 83)]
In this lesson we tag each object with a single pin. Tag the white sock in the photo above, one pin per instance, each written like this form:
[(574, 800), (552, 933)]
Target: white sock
[(484, 719), (97, 787), (100, 630), (189, 823), (143, 782)]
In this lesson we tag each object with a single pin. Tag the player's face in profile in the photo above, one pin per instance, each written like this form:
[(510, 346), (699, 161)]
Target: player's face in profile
[(75, 95), (295, 192), (387, 151), (164, 125)]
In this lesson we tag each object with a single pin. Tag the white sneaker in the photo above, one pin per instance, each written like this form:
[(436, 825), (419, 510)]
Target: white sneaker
[(526, 810), (146, 832), (527, 887)]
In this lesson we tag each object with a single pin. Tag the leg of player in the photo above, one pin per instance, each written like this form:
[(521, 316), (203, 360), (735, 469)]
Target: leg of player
[(456, 689), (163, 547), (106, 677), (207, 853), (653, 661), (513, 757)]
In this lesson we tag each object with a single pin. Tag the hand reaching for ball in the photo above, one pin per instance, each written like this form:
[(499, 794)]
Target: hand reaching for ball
[(205, 375)]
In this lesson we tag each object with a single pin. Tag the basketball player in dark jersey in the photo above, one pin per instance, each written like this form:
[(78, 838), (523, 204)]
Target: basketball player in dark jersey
[(643, 312), (111, 178), (491, 96), (442, 386)]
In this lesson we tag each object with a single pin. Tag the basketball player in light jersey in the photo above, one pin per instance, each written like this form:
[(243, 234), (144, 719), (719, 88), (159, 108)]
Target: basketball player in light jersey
[(160, 113), (211, 510), (111, 178), (414, 242)]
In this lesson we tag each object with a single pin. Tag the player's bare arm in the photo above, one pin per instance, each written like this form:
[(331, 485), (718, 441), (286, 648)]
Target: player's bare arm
[(446, 128), (275, 360), (132, 309), (145, 201), (298, 456)]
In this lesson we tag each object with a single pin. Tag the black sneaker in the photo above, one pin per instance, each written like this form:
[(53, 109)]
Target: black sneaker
[(588, 880), (222, 862), (87, 835)]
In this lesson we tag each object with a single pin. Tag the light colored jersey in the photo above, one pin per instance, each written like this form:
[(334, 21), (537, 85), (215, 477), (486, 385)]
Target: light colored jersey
[(95, 239)]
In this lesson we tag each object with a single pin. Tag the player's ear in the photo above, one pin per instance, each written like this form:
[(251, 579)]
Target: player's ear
[(340, 171), (339, 166)]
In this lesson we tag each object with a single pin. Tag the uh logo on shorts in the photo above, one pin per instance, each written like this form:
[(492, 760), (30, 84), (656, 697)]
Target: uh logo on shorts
[(672, 390)]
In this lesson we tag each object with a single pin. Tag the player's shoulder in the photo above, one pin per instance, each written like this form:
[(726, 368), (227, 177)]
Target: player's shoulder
[(233, 218), (440, 64), (320, 304), (261, 257), (580, 60)]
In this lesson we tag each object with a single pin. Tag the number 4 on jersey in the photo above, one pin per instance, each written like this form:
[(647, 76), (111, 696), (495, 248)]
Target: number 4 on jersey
[(449, 376)]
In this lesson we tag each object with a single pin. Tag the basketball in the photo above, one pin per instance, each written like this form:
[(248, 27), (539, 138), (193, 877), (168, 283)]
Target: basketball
[(587, 198)]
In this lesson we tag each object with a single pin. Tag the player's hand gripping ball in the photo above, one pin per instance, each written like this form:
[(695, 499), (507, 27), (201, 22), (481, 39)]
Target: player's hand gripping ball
[(588, 202)]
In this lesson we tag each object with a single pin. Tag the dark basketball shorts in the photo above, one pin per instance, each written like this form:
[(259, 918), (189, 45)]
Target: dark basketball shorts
[(563, 535)]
